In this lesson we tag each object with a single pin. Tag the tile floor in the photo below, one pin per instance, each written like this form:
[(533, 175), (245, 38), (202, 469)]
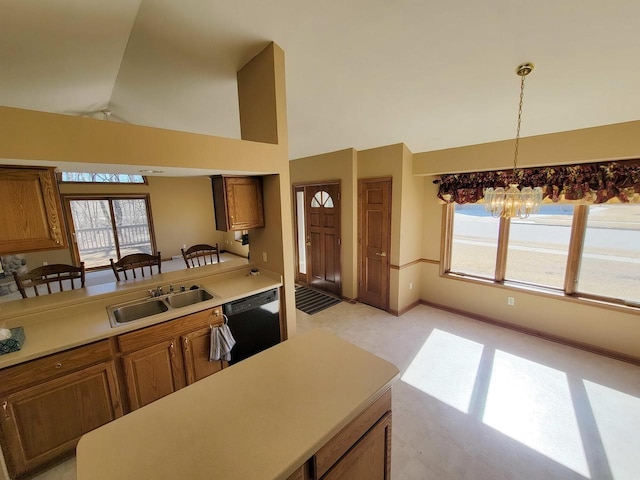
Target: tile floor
[(476, 401)]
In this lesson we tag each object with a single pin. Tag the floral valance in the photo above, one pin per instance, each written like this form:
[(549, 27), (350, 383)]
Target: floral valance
[(590, 182)]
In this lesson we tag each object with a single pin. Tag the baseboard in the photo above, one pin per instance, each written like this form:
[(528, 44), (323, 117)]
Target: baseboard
[(537, 333), (397, 313)]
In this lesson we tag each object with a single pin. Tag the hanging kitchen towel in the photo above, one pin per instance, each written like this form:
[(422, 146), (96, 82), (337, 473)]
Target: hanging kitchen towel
[(222, 342)]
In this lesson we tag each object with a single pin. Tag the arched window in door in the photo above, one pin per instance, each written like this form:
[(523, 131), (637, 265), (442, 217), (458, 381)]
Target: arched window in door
[(322, 199)]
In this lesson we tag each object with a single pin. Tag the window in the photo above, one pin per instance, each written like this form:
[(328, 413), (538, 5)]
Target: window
[(475, 241), (591, 251), (87, 177), (109, 227)]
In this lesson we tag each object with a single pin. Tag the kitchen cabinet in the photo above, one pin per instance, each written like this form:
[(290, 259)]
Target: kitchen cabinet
[(362, 449), (161, 359), (195, 348), (32, 212), (49, 403), (237, 203)]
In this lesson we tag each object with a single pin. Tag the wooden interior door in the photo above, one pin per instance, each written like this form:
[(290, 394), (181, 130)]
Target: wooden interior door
[(374, 235), (322, 212)]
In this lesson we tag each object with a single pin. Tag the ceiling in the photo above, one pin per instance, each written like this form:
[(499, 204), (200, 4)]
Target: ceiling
[(359, 73)]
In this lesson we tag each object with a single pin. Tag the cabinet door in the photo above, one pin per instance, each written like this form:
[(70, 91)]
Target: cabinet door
[(195, 347), (31, 209), (238, 203), (46, 421), (153, 373), (370, 458)]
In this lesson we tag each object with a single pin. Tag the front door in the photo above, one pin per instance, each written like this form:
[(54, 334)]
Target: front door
[(319, 236), (374, 232)]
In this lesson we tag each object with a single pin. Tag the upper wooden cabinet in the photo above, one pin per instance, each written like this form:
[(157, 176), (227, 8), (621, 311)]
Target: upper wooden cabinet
[(238, 202), (32, 213)]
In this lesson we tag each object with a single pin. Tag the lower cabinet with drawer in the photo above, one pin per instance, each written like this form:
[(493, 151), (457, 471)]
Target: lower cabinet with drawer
[(49, 403), (360, 450), (161, 359)]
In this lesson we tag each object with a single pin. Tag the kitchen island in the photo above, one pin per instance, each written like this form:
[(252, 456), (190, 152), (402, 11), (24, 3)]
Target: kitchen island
[(312, 405)]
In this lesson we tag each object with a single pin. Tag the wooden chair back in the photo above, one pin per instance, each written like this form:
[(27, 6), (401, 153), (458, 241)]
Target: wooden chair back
[(59, 274), (201, 254), (136, 262)]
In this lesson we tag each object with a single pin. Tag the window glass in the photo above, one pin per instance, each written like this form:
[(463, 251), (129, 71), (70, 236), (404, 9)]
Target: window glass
[(87, 177), (475, 241), (322, 199), (538, 246), (610, 262)]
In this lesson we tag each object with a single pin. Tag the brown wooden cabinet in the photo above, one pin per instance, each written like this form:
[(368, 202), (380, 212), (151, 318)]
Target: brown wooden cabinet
[(32, 212), (238, 203), (161, 359), (49, 403), (362, 449)]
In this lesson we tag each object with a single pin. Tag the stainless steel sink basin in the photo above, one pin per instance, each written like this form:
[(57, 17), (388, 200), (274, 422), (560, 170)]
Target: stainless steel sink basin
[(135, 311), (184, 299), (123, 313)]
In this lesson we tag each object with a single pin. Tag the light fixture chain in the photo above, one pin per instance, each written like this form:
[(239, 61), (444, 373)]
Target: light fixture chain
[(515, 153)]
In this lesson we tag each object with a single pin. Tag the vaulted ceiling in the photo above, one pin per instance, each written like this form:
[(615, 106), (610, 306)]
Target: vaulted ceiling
[(360, 73)]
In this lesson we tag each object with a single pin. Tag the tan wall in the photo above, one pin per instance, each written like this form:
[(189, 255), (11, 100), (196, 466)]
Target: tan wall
[(411, 220), (341, 166), (181, 207), (598, 326), (608, 142)]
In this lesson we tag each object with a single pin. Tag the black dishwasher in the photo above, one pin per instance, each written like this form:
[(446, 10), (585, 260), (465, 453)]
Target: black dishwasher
[(254, 322)]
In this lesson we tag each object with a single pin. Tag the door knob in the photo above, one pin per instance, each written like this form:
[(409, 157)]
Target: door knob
[(381, 254), (308, 244)]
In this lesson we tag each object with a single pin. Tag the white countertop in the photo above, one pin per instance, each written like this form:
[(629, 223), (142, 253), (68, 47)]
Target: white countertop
[(259, 419), (64, 320)]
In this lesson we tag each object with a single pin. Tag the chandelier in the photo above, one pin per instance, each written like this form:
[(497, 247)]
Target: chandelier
[(514, 202)]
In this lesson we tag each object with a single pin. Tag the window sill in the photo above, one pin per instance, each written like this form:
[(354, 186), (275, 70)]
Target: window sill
[(546, 292)]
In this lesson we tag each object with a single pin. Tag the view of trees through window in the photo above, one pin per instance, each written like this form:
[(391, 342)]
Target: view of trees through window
[(538, 248), (88, 177), (108, 227)]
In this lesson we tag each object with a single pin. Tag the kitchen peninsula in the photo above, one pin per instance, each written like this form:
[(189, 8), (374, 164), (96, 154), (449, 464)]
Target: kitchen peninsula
[(314, 406)]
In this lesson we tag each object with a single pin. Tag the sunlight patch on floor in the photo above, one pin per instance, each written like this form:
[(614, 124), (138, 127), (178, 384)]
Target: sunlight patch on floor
[(532, 404), (622, 450), (445, 368)]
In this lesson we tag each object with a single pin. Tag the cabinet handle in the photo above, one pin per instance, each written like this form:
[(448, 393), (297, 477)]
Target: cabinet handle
[(186, 344), (58, 365), (4, 407)]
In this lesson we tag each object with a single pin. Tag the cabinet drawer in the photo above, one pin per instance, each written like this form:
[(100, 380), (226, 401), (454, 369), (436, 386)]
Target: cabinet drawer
[(36, 371), (335, 448), (146, 337)]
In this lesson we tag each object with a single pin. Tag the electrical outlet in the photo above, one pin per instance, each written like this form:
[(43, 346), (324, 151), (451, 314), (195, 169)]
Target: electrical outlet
[(184, 246), (45, 264), (410, 285), (511, 301), (264, 257)]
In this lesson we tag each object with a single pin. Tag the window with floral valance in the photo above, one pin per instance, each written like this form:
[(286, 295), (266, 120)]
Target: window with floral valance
[(589, 183)]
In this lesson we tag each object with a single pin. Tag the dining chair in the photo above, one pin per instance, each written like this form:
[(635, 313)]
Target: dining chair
[(58, 273), (136, 262), (201, 254)]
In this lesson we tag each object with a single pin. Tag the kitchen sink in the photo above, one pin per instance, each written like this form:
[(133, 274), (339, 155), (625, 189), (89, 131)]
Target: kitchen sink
[(123, 313), (184, 299), (134, 311)]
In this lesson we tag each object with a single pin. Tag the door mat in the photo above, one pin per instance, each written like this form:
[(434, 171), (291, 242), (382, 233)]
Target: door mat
[(312, 301)]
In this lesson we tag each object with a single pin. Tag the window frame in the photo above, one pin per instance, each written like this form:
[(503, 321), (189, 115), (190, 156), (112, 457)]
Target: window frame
[(80, 182), (574, 254), (68, 198)]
